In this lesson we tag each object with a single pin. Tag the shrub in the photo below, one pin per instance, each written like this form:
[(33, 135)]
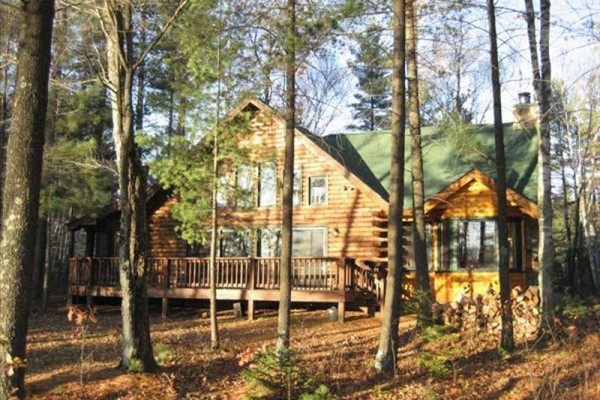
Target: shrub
[(278, 374), (162, 352), (135, 365)]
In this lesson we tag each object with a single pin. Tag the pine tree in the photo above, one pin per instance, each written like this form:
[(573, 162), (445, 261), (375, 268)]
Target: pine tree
[(371, 68), (387, 352)]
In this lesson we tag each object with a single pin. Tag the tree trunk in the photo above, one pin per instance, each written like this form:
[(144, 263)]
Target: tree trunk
[(214, 328), (542, 85), (22, 187), (285, 277), (136, 343), (506, 338), (3, 120), (418, 186), (546, 244), (385, 360)]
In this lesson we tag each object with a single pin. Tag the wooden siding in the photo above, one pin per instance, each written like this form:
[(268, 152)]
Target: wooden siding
[(163, 239)]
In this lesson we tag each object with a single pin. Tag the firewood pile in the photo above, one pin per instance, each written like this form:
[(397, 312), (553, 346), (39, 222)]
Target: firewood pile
[(482, 314)]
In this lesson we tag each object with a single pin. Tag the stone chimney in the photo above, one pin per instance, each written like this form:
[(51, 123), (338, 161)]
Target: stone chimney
[(526, 112)]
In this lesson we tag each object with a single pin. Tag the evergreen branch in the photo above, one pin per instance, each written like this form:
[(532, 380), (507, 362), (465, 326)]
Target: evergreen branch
[(161, 33)]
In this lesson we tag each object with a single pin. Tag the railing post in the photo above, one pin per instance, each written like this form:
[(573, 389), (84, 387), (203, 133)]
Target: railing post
[(251, 287), (90, 282), (165, 299), (341, 274)]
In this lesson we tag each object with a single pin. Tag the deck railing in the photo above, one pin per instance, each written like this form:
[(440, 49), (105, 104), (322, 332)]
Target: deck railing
[(308, 273)]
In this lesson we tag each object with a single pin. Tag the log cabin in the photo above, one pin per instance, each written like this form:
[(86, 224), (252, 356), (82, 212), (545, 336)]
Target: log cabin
[(340, 199)]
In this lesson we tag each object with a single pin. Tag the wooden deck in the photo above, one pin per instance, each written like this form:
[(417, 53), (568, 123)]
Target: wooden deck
[(315, 280)]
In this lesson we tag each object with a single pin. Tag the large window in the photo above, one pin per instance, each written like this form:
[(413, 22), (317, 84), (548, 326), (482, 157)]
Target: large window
[(235, 243), (269, 243), (231, 243), (476, 244), (306, 242), (267, 171), (317, 190), (309, 242), (473, 245)]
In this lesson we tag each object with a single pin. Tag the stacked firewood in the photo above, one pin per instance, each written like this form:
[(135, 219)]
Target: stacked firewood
[(482, 313)]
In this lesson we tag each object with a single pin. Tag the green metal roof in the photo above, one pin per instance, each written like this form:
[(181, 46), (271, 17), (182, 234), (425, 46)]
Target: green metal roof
[(367, 155)]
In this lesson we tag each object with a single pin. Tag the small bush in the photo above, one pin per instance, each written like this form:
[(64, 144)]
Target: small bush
[(162, 352), (435, 362), (439, 333), (135, 365), (278, 374), (577, 308)]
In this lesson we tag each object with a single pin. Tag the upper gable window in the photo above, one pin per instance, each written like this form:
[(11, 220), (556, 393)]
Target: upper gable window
[(297, 197), (244, 186), (223, 190), (317, 190), (267, 174)]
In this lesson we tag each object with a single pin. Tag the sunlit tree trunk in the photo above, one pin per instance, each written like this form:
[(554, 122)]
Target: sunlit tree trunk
[(22, 188), (214, 328), (506, 337), (385, 359), (418, 186), (136, 343), (285, 277)]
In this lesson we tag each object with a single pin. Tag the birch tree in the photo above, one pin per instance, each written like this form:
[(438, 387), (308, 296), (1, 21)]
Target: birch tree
[(542, 85)]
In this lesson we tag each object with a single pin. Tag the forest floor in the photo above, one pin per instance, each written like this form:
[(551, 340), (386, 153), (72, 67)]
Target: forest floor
[(437, 365)]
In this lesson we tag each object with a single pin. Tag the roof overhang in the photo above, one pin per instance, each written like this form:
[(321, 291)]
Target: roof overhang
[(513, 197)]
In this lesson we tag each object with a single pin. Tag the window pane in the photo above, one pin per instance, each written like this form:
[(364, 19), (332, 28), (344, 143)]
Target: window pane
[(308, 242), (222, 191), (267, 185), (318, 190), (476, 244), (234, 244), (270, 243), (244, 185)]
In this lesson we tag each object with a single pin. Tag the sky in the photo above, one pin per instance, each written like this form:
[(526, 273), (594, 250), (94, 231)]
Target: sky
[(574, 51)]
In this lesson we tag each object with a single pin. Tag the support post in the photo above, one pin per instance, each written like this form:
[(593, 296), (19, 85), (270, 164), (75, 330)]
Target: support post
[(250, 310), (342, 312)]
